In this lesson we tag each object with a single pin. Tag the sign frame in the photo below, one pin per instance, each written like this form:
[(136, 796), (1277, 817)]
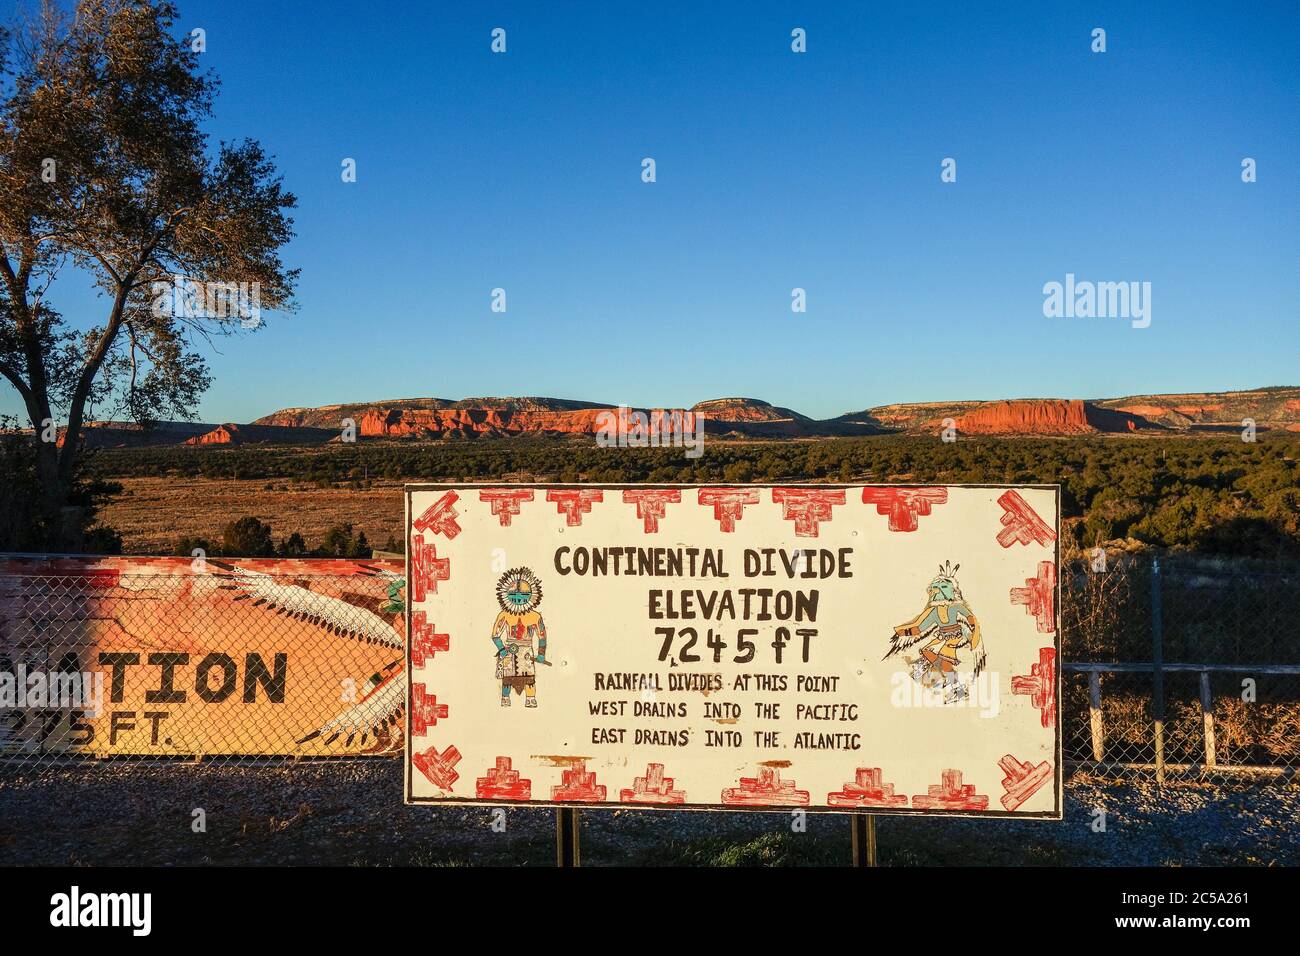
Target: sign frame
[(1056, 813)]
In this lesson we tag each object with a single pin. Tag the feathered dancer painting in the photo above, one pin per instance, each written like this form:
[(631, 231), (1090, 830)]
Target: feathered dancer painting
[(945, 626), (519, 635)]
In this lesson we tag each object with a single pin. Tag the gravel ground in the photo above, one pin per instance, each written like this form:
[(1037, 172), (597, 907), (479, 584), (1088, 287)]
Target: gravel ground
[(349, 812)]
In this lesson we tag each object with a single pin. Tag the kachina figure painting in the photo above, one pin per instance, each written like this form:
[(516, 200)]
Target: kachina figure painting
[(944, 627), (519, 635)]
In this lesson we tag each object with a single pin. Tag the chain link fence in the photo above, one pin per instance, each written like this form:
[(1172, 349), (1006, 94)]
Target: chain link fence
[(168, 658), (251, 712), (1180, 664), (1169, 665)]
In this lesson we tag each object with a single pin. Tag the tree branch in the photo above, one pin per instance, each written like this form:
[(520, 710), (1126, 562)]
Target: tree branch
[(16, 380), (77, 404), (35, 390)]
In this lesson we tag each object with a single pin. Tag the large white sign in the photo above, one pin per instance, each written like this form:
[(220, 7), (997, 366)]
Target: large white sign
[(863, 647)]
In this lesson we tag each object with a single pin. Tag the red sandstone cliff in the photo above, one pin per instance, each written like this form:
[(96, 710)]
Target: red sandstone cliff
[(232, 434), (432, 418), (439, 418), (436, 418), (745, 410), (438, 423), (1274, 407), (1052, 416), (221, 435)]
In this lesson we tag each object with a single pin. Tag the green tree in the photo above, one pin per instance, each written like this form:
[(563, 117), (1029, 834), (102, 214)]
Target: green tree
[(341, 542), (20, 500), (293, 546), (247, 538), (104, 168), (187, 545)]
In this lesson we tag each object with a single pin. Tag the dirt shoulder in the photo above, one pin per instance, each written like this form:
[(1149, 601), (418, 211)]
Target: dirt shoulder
[(348, 813)]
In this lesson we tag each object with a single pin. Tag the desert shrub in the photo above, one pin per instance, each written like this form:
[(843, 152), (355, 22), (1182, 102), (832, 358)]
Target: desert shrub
[(341, 542), (247, 538), (1210, 494)]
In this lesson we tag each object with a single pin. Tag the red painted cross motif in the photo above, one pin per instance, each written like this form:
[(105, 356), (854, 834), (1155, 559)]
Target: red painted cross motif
[(654, 787), (1021, 523), (1022, 780), (440, 517), (904, 505), (766, 789), (1039, 685), (425, 640), (577, 783), (867, 790), (506, 501), (950, 794), (728, 504), (651, 504), (502, 783), (807, 507), (437, 767), (1039, 597), (573, 504), (425, 710), (427, 569)]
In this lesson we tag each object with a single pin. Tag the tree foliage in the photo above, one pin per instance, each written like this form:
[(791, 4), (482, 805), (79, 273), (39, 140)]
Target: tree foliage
[(106, 173), (1207, 494)]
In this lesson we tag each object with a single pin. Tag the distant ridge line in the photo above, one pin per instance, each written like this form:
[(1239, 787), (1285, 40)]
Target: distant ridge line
[(417, 419)]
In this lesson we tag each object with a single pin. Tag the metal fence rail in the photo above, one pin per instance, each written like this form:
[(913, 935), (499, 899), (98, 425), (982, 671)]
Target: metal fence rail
[(1222, 730), (1181, 664)]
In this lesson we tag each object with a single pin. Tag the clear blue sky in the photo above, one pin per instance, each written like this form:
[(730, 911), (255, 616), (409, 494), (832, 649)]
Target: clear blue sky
[(775, 170)]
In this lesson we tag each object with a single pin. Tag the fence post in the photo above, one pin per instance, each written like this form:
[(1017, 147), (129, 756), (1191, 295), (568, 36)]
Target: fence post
[(1094, 716), (566, 838), (1207, 719), (1157, 667), (864, 838)]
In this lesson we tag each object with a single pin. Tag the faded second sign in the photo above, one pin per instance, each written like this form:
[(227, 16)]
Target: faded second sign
[(173, 657), (879, 648)]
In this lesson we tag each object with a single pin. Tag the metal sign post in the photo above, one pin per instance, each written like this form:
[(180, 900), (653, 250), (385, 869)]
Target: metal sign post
[(864, 839), (567, 853)]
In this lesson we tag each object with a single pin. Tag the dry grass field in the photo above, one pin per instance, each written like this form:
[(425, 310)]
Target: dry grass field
[(152, 514)]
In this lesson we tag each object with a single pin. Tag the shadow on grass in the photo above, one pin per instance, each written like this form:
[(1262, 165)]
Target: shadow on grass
[(896, 846)]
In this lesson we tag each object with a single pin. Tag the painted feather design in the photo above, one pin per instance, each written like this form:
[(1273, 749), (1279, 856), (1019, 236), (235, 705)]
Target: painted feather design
[(384, 699), (902, 641), (378, 710), (333, 614)]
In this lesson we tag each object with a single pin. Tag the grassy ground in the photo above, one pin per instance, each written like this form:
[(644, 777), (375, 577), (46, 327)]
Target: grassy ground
[(152, 514)]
